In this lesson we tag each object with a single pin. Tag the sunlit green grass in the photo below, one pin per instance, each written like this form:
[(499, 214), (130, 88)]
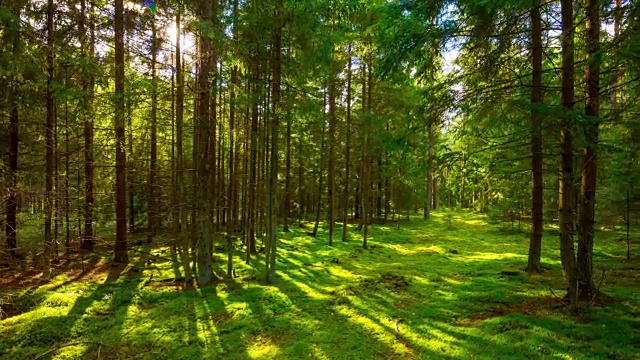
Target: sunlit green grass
[(451, 281)]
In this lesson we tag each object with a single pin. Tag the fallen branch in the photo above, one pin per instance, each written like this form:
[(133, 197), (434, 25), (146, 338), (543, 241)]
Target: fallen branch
[(595, 293)]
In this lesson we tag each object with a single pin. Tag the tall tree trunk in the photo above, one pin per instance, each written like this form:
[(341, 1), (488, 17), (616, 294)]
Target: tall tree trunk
[(567, 254), (379, 180), (231, 195), (49, 143), (88, 241), (121, 159), (203, 238), (56, 188), (287, 200), (67, 154), (128, 103), (153, 156), (359, 183), (331, 177), (13, 98), (271, 247), (586, 287), (365, 191), (301, 183), (429, 183), (182, 218), (347, 155), (535, 243), (121, 255), (253, 198), (366, 171), (462, 181), (318, 204)]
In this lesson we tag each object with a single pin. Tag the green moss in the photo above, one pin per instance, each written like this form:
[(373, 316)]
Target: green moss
[(453, 287)]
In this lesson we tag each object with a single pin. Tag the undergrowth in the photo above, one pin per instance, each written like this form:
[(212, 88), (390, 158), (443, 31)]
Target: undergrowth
[(450, 288)]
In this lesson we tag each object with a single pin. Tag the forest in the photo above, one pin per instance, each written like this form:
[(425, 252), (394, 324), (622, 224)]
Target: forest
[(322, 179)]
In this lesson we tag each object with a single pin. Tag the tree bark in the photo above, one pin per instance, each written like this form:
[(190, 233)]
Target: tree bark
[(287, 189), (253, 198), (49, 143), (586, 287), (429, 182), (347, 155), (88, 241), (535, 243), (202, 228), (11, 238), (153, 156), (232, 189), (567, 254), (182, 218), (318, 204), (270, 259), (332, 154)]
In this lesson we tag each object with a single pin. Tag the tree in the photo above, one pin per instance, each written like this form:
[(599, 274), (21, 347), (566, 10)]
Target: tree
[(182, 213), (153, 151), (332, 156), (347, 155), (49, 143), (586, 288), (535, 243), (565, 198), (272, 220), (13, 40), (87, 53), (203, 224)]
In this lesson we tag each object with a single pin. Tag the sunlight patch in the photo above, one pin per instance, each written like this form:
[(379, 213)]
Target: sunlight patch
[(263, 347), (490, 256)]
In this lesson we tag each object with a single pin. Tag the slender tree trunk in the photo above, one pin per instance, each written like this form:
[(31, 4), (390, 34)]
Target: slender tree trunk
[(231, 195), (366, 171), (379, 177), (332, 158), (49, 143), (121, 255), (253, 198), (628, 221), (153, 156), (12, 198), (88, 241), (270, 259), (318, 204), (175, 214), (182, 218), (347, 155), (67, 243), (586, 287), (429, 182), (56, 188), (202, 228), (535, 243), (301, 183), (567, 253), (359, 184), (365, 192), (287, 201)]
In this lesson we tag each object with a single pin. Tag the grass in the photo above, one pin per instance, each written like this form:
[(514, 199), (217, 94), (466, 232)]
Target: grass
[(450, 288)]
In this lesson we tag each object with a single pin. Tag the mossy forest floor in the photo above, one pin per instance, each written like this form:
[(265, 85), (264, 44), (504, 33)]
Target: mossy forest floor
[(450, 288)]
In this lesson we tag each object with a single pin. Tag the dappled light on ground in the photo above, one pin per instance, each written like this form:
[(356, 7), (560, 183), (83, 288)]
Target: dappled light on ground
[(450, 288)]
